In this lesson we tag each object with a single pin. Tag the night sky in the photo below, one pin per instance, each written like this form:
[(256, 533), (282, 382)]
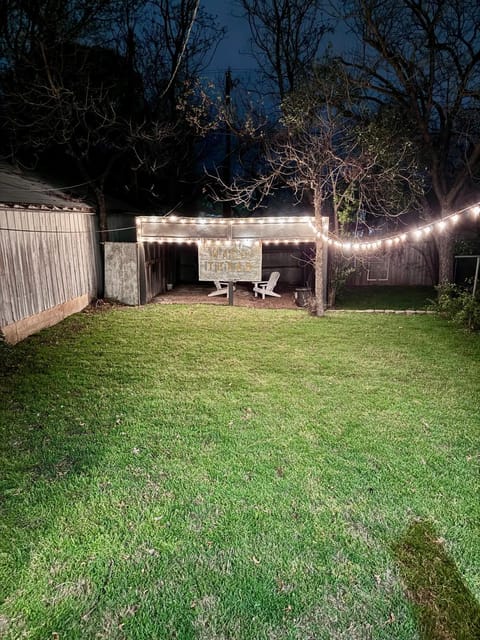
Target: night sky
[(233, 50), (236, 40)]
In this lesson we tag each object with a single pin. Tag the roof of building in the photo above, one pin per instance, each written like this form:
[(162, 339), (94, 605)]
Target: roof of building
[(20, 189)]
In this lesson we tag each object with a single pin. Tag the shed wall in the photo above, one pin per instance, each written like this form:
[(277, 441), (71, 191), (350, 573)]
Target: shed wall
[(47, 259), (122, 272), (134, 272)]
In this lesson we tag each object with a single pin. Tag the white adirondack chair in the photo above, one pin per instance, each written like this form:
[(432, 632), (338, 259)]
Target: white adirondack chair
[(221, 288), (267, 287)]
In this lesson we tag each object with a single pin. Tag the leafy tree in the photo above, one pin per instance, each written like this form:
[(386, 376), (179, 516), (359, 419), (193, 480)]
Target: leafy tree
[(63, 92), (424, 59), (60, 89), (177, 44)]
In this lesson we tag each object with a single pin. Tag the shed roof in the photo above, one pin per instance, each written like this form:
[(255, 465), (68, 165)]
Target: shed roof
[(18, 189), (272, 229)]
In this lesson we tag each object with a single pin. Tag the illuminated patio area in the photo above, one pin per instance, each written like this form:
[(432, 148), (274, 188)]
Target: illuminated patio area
[(243, 296)]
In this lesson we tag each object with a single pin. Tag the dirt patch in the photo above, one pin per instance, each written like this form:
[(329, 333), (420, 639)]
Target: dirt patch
[(242, 297)]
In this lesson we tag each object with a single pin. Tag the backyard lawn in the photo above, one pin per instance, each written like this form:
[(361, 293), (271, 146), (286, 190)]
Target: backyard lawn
[(215, 472), (386, 297)]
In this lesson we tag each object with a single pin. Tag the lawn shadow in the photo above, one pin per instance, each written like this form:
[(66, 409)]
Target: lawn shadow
[(445, 608)]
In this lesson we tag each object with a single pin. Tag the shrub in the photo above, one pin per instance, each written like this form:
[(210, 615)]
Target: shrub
[(458, 305)]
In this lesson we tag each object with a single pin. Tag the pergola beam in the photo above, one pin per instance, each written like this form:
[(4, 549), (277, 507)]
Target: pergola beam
[(160, 229)]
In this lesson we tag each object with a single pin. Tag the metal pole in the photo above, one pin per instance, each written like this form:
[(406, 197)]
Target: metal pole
[(230, 292), (475, 279), (227, 161)]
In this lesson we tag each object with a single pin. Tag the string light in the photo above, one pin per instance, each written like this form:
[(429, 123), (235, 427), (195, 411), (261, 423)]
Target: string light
[(415, 234), (418, 233), (233, 221)]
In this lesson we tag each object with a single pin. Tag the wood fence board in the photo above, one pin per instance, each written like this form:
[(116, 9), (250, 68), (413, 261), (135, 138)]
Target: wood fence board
[(407, 266), (47, 257)]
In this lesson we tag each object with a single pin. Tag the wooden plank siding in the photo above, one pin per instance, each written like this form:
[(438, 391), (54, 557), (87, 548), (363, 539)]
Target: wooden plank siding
[(408, 265), (134, 272), (48, 257)]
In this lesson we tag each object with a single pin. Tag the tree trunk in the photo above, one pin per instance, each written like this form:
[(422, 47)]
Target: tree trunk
[(102, 214), (331, 281), (319, 256), (103, 235), (445, 242), (319, 278), (332, 296)]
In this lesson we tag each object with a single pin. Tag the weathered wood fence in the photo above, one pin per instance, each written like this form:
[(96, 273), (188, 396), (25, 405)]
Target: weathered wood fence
[(49, 266), (409, 265)]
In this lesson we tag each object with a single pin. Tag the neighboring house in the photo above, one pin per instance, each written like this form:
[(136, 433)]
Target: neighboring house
[(49, 255)]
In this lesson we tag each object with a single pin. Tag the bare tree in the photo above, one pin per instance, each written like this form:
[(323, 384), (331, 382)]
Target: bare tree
[(333, 159), (424, 58), (64, 92), (178, 42), (286, 36), (60, 89)]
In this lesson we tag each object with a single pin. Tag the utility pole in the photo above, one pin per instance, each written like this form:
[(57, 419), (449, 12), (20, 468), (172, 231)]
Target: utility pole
[(227, 160)]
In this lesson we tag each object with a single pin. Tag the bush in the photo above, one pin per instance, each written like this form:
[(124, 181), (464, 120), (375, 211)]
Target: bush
[(458, 305)]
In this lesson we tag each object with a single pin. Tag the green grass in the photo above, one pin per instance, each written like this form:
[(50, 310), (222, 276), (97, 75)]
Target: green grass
[(218, 472), (386, 297)]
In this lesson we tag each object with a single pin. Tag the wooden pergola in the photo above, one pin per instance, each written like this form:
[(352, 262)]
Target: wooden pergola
[(232, 233)]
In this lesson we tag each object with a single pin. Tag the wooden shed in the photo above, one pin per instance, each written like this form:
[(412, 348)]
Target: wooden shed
[(49, 255)]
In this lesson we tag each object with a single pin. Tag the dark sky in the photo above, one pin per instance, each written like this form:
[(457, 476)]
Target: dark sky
[(236, 40), (233, 51)]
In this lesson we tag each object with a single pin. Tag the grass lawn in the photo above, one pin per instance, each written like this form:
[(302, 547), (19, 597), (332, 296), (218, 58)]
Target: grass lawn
[(217, 472), (386, 297)]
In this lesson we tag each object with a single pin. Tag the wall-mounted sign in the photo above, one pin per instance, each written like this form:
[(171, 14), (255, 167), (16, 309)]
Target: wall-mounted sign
[(230, 260)]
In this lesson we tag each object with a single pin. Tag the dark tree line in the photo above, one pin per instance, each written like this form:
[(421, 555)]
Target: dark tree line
[(97, 83), (389, 129), (422, 57)]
